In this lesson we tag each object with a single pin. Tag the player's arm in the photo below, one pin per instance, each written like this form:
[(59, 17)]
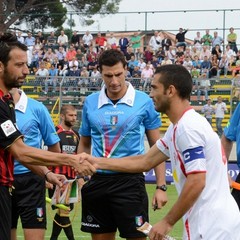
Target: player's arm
[(84, 144), (130, 164), (191, 191), (227, 145), (160, 197), (30, 155)]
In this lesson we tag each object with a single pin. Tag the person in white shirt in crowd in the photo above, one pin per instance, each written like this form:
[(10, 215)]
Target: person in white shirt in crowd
[(223, 66), (62, 40), (20, 38), (141, 64), (29, 42), (41, 76), (198, 41), (188, 64), (229, 52), (205, 52), (155, 41), (87, 39), (220, 110), (73, 63), (171, 53), (112, 41)]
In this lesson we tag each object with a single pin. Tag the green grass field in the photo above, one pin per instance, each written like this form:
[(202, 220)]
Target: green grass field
[(154, 217)]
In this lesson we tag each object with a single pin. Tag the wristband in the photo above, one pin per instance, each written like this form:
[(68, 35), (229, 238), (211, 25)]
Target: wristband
[(45, 175)]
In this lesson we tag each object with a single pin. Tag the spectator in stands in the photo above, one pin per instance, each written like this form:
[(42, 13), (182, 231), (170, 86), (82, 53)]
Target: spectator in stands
[(50, 55), (205, 67), (61, 54), (160, 54), (41, 75), (29, 42), (236, 69), (71, 53), (73, 63), (87, 40), (155, 42), (47, 63), (205, 52), (141, 64), (180, 54), (197, 63), (214, 66), (40, 37), (91, 65), (216, 50), (83, 62), (217, 40), (198, 41), (123, 44), (52, 79), (194, 52), (34, 62), (129, 54), (38, 45), (52, 40), (208, 111), (112, 41), (20, 38), (171, 53), (146, 76), (95, 80), (79, 54), (132, 63), (207, 39), (188, 64), (180, 38), (223, 66), (220, 110), (100, 41), (74, 76), (229, 52), (155, 62), (84, 80), (232, 40), (203, 85), (166, 61), (91, 54), (135, 42), (75, 39), (148, 54), (63, 40), (136, 75), (166, 42)]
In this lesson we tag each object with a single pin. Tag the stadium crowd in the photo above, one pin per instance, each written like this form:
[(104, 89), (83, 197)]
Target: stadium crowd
[(52, 57)]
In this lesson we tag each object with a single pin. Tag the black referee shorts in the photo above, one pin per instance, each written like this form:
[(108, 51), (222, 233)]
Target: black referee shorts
[(117, 201), (5, 213), (28, 201)]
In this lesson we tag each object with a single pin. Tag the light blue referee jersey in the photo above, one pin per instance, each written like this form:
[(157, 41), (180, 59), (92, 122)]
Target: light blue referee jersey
[(118, 130), (232, 131), (35, 123)]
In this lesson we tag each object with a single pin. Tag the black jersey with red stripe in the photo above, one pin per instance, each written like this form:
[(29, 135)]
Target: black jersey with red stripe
[(8, 134), (69, 140)]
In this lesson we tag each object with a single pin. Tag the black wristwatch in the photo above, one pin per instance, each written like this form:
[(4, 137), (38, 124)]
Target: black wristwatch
[(162, 187)]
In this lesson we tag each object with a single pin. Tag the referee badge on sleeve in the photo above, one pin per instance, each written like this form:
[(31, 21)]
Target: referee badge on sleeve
[(8, 128)]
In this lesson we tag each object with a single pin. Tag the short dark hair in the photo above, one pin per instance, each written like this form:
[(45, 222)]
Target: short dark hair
[(111, 57), (67, 107), (178, 76), (8, 42)]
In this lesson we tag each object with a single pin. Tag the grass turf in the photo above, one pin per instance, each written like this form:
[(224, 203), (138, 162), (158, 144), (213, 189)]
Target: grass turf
[(155, 216)]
